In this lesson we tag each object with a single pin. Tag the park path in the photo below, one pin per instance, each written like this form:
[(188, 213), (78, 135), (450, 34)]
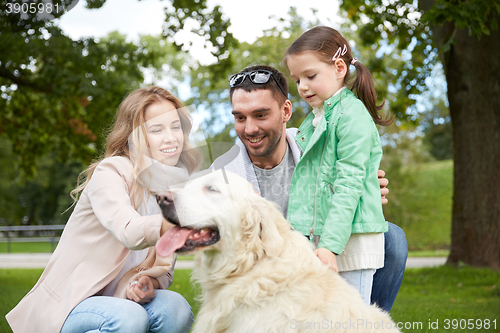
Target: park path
[(39, 260)]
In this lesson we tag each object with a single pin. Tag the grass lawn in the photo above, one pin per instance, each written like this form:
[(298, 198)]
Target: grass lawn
[(35, 247), (420, 202), (14, 284), (429, 253), (427, 296)]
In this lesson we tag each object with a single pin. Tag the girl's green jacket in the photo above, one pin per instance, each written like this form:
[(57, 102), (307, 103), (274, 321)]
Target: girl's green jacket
[(335, 189)]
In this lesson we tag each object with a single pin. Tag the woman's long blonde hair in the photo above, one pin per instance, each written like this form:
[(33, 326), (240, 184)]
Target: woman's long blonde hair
[(129, 126)]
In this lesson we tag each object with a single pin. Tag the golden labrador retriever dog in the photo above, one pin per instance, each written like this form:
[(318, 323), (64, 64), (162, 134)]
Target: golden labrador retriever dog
[(256, 274)]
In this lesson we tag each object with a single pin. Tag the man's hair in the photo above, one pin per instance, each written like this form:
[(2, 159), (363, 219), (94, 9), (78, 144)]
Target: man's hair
[(271, 85)]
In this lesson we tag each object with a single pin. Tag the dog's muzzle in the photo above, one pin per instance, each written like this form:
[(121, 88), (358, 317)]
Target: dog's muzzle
[(181, 239), (166, 202)]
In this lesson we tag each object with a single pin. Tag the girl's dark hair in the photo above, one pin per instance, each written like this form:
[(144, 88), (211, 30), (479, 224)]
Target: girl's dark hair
[(325, 42)]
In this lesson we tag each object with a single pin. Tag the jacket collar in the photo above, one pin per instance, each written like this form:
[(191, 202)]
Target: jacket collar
[(307, 127), (330, 103), (237, 160)]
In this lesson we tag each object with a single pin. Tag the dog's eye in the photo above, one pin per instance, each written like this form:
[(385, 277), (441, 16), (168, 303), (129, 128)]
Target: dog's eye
[(210, 188)]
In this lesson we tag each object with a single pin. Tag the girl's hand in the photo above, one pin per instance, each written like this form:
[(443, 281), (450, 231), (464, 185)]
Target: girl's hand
[(383, 185), (141, 291), (328, 258)]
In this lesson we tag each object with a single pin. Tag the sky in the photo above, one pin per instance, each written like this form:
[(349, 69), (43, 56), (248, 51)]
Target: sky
[(133, 17)]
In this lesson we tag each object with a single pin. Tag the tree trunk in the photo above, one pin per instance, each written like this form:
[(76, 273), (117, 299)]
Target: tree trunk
[(472, 68)]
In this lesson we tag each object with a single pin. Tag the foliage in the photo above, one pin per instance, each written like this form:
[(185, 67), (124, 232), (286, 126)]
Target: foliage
[(58, 99), (8, 197), (479, 16), (95, 4), (394, 29), (211, 24), (58, 94), (438, 132), (39, 200), (400, 29), (212, 94)]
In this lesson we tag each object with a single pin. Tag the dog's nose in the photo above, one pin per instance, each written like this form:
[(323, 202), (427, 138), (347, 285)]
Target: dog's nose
[(165, 198)]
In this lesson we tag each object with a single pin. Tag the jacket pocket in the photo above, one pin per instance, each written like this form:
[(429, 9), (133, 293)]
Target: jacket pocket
[(50, 292)]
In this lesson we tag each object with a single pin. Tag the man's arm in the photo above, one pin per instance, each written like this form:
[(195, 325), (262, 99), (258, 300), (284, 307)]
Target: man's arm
[(383, 186)]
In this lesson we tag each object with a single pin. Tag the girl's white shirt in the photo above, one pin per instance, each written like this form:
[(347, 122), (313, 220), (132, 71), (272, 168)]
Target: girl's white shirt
[(319, 111)]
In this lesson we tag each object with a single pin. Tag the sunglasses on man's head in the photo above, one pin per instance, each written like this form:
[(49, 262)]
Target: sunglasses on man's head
[(259, 76)]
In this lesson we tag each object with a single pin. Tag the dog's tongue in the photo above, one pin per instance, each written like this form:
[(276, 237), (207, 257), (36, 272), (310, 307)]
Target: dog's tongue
[(172, 240)]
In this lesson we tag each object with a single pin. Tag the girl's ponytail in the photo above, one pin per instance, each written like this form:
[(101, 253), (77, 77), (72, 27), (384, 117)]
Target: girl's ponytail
[(364, 88)]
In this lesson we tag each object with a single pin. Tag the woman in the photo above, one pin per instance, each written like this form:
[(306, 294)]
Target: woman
[(107, 247)]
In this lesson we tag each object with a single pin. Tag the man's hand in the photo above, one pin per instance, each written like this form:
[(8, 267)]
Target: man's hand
[(141, 291), (383, 186), (328, 258)]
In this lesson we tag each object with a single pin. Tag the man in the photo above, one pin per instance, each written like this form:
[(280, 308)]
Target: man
[(268, 154)]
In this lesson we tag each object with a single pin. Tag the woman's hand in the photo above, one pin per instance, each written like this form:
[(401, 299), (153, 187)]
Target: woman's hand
[(165, 226), (328, 258), (141, 291)]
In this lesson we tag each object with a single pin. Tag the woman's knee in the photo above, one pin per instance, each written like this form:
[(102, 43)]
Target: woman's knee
[(169, 312), (132, 318), (108, 314)]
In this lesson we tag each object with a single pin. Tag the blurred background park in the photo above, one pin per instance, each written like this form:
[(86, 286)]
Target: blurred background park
[(434, 62)]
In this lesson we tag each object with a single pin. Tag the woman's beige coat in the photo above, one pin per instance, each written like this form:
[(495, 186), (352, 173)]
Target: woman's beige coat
[(94, 246)]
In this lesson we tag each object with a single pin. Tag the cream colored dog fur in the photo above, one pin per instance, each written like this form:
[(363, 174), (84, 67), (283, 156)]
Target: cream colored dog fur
[(262, 277)]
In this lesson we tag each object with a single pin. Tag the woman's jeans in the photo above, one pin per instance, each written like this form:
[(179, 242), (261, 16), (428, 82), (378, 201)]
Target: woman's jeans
[(387, 280), (167, 312)]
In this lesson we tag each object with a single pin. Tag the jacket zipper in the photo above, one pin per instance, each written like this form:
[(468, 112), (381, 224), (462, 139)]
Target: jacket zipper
[(311, 231)]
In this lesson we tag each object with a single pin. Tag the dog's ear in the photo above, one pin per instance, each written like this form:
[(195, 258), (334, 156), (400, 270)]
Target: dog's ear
[(261, 221), (270, 234)]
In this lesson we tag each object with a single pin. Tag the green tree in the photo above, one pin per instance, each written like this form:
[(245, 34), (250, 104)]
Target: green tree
[(58, 96), (212, 93), (464, 37), (211, 24), (39, 200), (438, 132)]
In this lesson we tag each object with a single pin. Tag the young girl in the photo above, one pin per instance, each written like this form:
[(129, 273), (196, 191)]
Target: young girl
[(335, 194), (107, 247)]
